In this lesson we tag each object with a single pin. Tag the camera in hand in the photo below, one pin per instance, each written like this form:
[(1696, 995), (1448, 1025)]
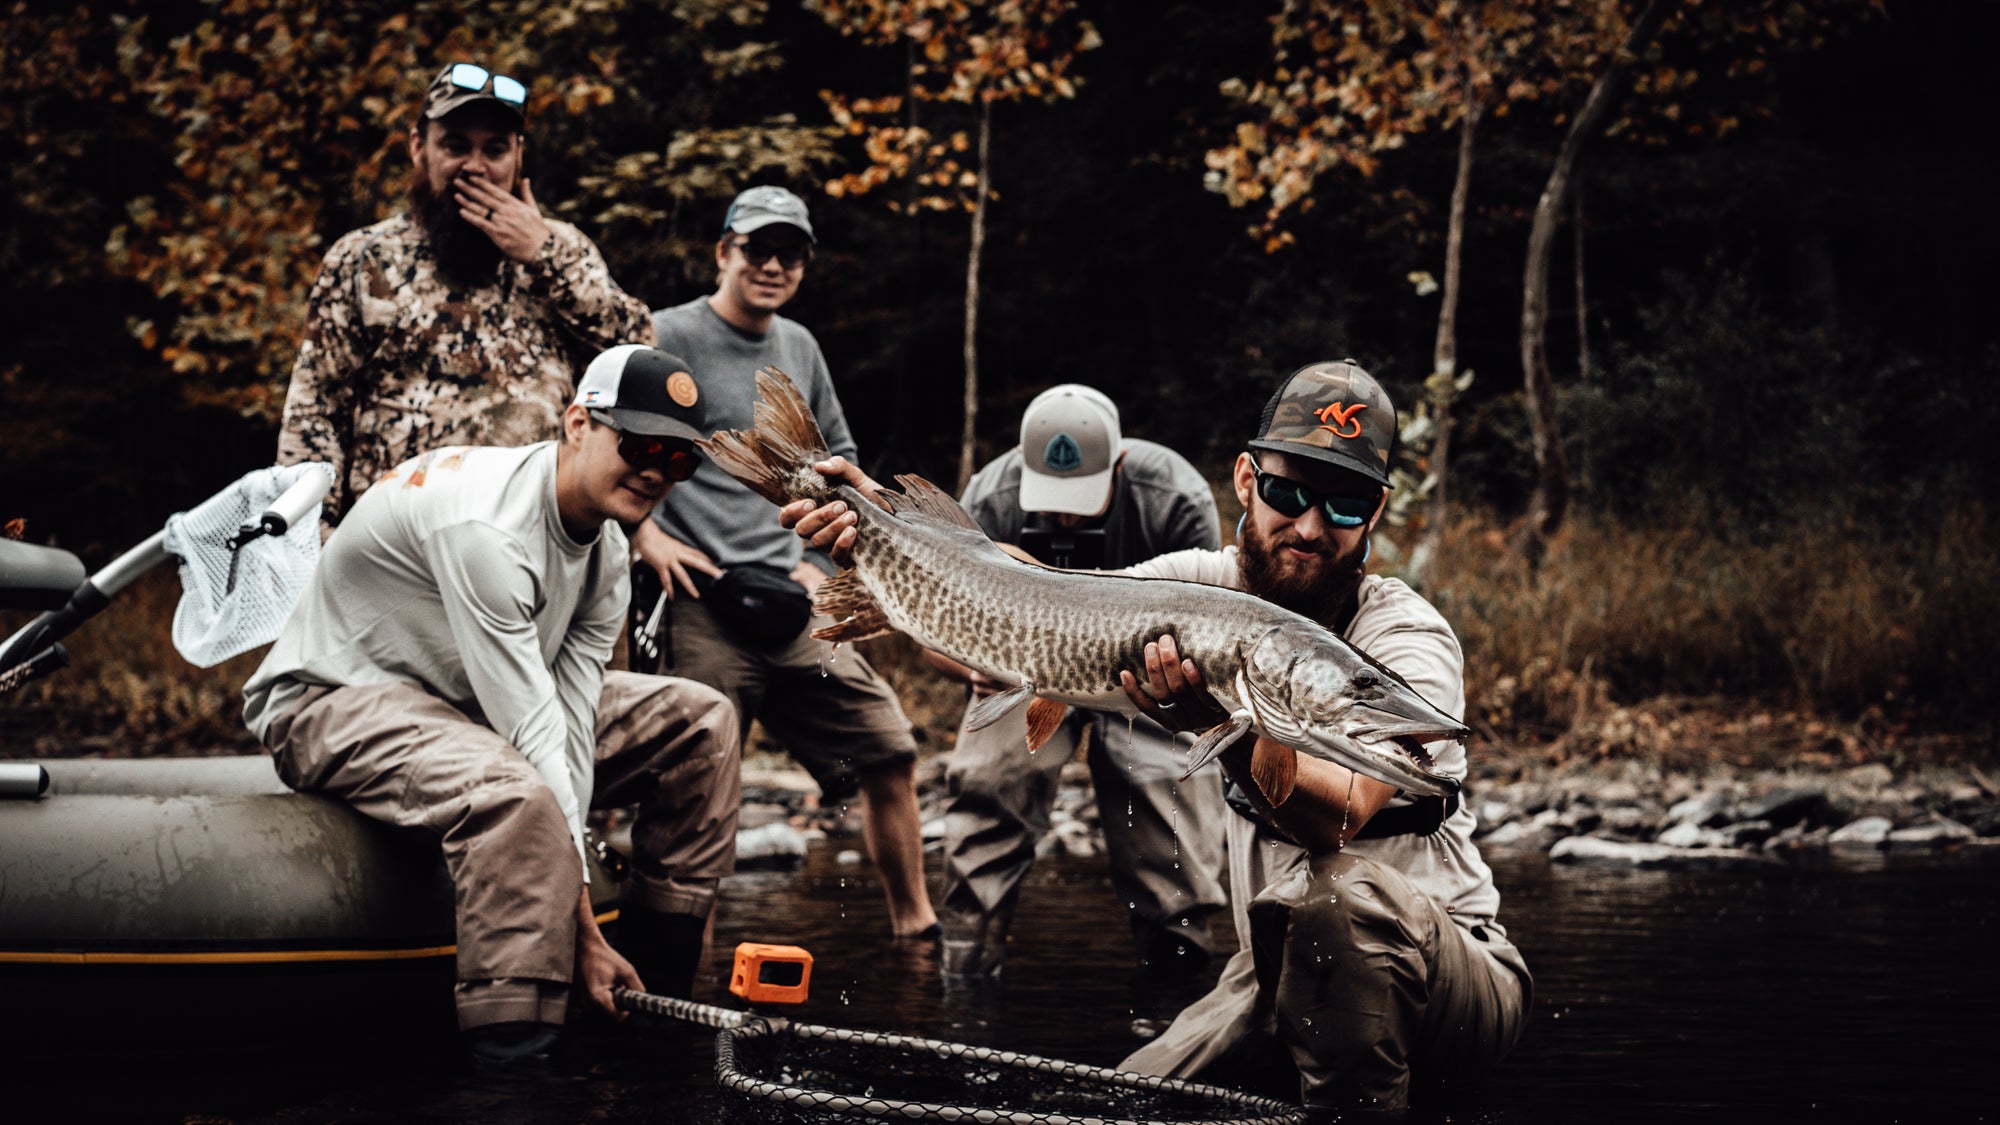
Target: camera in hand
[(1068, 548)]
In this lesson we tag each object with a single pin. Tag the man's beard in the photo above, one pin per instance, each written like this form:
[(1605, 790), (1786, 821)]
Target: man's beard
[(466, 257), (1320, 587)]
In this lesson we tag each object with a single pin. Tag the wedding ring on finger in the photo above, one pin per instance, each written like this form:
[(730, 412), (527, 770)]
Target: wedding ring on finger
[(1166, 706)]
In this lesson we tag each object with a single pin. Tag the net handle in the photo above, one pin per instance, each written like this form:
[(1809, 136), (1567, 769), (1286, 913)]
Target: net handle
[(707, 1015)]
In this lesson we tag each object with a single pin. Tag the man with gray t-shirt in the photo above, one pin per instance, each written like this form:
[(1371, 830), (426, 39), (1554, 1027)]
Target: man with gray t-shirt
[(729, 608), (1076, 493)]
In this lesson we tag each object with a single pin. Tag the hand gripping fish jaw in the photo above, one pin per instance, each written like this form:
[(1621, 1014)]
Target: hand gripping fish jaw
[(1336, 704)]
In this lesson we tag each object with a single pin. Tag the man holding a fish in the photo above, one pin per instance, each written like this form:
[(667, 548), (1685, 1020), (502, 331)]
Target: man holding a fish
[(1370, 947)]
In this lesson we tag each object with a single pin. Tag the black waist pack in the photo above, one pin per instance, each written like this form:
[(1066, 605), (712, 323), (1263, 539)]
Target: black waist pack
[(759, 606)]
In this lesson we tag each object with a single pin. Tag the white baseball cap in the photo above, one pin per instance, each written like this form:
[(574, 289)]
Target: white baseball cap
[(1069, 449)]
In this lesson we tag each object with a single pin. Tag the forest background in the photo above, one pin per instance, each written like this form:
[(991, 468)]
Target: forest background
[(1766, 344)]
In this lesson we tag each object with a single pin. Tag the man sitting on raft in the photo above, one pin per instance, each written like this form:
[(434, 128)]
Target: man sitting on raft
[(445, 670)]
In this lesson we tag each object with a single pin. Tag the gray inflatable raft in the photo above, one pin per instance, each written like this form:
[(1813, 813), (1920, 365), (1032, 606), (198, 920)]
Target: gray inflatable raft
[(153, 897)]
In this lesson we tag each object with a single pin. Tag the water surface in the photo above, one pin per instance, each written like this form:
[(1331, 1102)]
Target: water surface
[(1857, 991)]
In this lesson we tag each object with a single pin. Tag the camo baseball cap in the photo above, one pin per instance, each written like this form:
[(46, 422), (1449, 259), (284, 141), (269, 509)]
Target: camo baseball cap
[(463, 84), (646, 391), (1333, 412)]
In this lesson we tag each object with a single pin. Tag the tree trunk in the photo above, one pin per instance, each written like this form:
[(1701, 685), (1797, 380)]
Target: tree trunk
[(1551, 498), (1582, 302), (966, 448), (1444, 356)]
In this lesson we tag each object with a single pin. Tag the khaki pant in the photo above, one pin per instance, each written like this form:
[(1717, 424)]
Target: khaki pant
[(1162, 835), (834, 715), (401, 755), (1365, 979)]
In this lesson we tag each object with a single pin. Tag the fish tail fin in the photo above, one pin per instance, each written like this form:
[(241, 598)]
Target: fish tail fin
[(774, 457)]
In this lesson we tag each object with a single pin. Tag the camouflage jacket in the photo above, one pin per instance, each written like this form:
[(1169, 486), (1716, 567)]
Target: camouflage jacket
[(396, 361)]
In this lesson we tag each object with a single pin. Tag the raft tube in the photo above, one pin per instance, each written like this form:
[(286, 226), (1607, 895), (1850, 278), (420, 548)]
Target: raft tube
[(142, 898)]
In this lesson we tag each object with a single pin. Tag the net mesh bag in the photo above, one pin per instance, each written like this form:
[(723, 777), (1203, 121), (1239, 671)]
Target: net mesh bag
[(234, 600), (772, 1070)]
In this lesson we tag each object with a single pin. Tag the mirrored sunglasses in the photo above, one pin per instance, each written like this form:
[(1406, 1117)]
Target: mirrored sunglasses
[(790, 255), (675, 458), (1292, 500), (466, 76)]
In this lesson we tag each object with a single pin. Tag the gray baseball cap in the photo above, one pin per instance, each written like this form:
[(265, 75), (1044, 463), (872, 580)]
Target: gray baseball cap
[(759, 207), (1070, 442)]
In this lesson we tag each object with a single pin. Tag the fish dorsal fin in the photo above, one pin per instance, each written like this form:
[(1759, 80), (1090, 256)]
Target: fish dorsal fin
[(1215, 740), (1044, 716), (857, 615), (985, 712), (936, 503), (1275, 768)]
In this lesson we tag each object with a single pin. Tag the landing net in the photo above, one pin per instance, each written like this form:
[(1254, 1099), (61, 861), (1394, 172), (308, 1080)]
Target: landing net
[(773, 1070)]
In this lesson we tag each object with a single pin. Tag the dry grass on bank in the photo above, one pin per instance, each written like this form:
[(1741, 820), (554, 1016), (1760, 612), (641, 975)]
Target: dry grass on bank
[(1677, 646)]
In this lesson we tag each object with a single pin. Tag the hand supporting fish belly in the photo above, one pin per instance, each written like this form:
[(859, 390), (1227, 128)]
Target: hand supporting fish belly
[(922, 567)]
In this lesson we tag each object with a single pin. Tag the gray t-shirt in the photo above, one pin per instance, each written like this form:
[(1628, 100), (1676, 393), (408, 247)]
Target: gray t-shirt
[(1396, 626), (713, 510), (1159, 503)]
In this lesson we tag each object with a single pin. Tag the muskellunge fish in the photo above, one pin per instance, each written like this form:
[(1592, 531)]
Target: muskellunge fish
[(1059, 638)]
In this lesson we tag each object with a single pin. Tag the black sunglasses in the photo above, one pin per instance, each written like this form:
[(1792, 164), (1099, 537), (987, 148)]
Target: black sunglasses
[(1292, 500), (672, 456), (466, 76), (790, 256)]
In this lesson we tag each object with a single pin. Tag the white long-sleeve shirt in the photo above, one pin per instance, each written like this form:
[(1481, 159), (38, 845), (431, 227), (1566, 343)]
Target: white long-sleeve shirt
[(454, 572)]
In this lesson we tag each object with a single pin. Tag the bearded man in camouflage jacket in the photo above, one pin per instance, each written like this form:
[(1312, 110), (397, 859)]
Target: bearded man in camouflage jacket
[(463, 320)]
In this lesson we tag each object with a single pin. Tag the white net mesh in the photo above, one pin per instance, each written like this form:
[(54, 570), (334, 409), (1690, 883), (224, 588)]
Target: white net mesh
[(233, 601)]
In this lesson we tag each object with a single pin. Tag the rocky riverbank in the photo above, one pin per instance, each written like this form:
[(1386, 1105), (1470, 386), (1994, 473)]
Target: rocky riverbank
[(1626, 814)]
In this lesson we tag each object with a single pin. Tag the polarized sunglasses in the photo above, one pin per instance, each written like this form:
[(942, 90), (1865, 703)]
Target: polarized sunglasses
[(675, 458), (1292, 500), (466, 76), (790, 256)]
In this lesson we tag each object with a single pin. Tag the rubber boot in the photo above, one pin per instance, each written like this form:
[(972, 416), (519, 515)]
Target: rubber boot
[(517, 1048), (664, 948)]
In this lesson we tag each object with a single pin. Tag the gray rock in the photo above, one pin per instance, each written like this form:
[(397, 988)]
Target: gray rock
[(1748, 833), (776, 844), (1870, 777), (1789, 804), (1865, 834), (1706, 810), (756, 814), (1579, 818), (1493, 814), (1985, 822), (1626, 820), (1937, 834), (1688, 834), (1591, 851), (1617, 793)]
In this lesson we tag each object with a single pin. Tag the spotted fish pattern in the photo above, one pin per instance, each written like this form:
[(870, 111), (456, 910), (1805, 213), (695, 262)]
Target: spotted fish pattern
[(922, 567)]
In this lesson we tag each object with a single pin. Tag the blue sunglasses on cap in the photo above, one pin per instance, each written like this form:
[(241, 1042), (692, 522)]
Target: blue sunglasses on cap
[(467, 76)]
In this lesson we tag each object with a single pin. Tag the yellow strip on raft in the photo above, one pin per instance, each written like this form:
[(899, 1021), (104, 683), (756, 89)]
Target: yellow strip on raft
[(243, 958)]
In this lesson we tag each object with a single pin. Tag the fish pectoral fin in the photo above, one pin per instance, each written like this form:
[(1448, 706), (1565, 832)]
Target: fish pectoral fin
[(1044, 716), (1275, 768), (857, 615), (1215, 740), (985, 712)]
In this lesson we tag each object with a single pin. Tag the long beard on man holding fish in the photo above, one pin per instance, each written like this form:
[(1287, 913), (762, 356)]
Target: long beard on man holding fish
[(1365, 917)]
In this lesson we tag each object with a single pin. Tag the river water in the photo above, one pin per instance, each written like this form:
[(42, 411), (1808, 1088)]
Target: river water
[(1849, 990)]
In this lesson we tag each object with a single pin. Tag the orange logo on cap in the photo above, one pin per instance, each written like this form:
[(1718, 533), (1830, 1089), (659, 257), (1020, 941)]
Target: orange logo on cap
[(681, 388), (1345, 416)]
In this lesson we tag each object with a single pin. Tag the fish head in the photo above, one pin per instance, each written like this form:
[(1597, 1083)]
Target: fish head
[(1318, 694)]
